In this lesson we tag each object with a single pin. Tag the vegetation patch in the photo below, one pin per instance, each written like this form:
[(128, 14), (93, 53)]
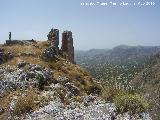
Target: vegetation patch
[(55, 65), (25, 103), (132, 103), (94, 89)]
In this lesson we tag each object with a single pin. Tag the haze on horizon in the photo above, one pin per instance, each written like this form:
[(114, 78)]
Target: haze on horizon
[(97, 27)]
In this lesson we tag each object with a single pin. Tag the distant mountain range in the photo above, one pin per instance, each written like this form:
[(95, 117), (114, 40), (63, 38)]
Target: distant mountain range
[(119, 52), (103, 63)]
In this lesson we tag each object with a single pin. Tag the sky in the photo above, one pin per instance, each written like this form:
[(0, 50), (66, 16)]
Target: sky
[(94, 26)]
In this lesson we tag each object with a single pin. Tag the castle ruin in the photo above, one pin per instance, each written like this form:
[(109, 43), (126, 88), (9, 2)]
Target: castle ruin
[(67, 49), (67, 45), (53, 38)]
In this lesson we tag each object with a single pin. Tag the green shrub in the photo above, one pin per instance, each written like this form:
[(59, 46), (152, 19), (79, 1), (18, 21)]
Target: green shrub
[(109, 92), (41, 82), (130, 103)]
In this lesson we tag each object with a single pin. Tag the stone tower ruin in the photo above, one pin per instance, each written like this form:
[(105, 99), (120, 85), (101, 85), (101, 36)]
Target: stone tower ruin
[(67, 49), (67, 46), (53, 38)]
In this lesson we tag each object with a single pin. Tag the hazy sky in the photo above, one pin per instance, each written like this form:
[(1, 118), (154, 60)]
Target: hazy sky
[(92, 26)]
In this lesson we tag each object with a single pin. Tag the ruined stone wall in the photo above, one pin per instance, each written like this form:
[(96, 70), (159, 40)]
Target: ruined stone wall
[(21, 42), (53, 38), (67, 45)]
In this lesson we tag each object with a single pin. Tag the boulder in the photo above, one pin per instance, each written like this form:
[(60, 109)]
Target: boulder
[(72, 89), (21, 63), (63, 80), (49, 53), (4, 57)]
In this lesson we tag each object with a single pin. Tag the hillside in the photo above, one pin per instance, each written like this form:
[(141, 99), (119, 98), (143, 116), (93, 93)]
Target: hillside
[(133, 68), (119, 63), (39, 80), (147, 83), (35, 73)]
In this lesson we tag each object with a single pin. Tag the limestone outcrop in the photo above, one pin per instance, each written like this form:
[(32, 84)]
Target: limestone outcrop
[(23, 75)]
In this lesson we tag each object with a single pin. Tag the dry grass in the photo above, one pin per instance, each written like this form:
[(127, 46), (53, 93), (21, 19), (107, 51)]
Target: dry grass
[(5, 101), (78, 99), (109, 92), (29, 94), (43, 44), (16, 49), (29, 53), (55, 65), (25, 103), (29, 59)]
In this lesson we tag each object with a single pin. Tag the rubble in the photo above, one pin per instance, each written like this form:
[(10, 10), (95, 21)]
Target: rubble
[(49, 53)]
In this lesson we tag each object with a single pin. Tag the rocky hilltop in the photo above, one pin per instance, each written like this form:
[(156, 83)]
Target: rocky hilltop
[(40, 81)]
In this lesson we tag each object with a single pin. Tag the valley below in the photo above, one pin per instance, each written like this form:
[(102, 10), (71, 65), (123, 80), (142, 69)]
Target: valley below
[(133, 69)]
